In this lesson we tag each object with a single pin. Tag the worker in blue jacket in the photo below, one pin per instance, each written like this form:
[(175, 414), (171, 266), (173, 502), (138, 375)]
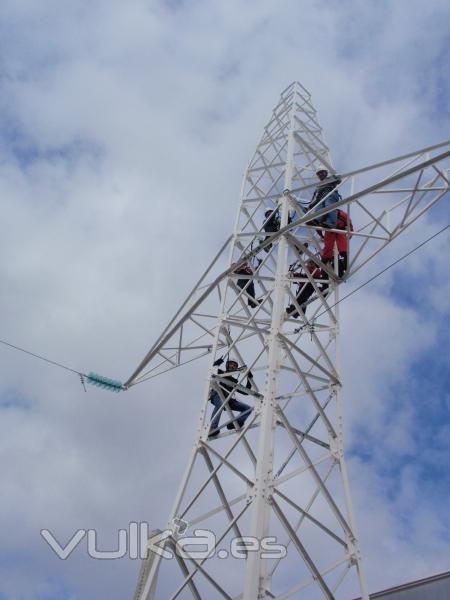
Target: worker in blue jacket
[(326, 195)]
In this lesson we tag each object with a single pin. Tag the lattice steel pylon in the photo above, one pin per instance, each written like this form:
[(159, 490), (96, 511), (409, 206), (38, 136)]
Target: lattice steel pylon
[(275, 492)]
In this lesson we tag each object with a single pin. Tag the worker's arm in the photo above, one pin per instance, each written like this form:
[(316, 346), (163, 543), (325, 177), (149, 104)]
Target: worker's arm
[(314, 200), (248, 384), (249, 381)]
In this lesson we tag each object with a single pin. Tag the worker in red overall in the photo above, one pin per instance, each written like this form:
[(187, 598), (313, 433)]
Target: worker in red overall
[(341, 240)]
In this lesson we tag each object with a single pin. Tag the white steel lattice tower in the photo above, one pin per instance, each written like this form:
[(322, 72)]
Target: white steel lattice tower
[(280, 477)]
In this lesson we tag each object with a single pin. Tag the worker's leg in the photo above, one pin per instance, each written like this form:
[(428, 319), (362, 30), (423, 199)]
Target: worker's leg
[(241, 283), (328, 245), (325, 289), (241, 407), (251, 292), (217, 412), (292, 311), (343, 263), (305, 292)]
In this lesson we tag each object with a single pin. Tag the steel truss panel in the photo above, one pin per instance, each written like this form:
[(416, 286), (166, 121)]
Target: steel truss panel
[(283, 475)]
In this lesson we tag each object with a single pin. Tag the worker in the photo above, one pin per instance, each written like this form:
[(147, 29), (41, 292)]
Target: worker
[(271, 224), (324, 196), (247, 284), (340, 239), (228, 386), (306, 288)]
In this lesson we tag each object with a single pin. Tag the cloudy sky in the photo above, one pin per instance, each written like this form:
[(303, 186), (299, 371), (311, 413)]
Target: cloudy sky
[(125, 129)]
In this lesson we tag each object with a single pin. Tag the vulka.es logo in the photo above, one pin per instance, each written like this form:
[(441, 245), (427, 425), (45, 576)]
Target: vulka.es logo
[(138, 542), (133, 542)]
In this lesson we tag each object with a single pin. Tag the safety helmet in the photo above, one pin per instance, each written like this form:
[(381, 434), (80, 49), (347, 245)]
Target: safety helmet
[(231, 365), (268, 212), (322, 171)]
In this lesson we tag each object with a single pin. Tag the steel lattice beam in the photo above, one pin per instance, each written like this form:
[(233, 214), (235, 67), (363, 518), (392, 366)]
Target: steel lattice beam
[(282, 475)]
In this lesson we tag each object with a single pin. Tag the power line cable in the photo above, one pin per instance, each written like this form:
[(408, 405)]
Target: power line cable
[(350, 293), (43, 358), (92, 378), (106, 383)]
